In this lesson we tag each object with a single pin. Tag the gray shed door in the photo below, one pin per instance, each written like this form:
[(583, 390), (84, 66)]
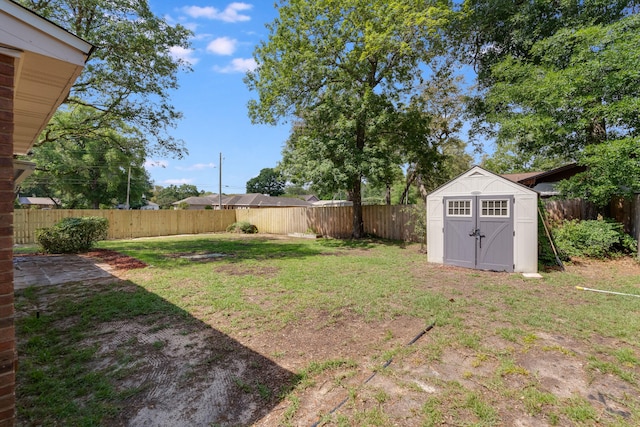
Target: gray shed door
[(478, 232)]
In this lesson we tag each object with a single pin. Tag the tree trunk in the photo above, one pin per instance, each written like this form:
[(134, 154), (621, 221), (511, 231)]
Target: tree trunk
[(356, 191), (356, 197), (411, 175), (388, 195)]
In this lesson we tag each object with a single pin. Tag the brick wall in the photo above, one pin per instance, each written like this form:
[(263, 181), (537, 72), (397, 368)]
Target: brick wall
[(8, 358)]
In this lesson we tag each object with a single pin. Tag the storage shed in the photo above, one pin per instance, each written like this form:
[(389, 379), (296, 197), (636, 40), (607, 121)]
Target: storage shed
[(484, 221)]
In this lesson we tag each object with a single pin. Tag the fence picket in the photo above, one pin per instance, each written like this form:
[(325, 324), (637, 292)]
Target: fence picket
[(389, 222)]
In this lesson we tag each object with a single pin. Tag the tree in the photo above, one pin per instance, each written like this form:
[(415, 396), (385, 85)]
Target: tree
[(509, 158), (347, 71), (129, 74), (439, 153), (164, 197), (613, 169), (526, 55), (90, 167), (269, 181), (488, 31), (581, 89)]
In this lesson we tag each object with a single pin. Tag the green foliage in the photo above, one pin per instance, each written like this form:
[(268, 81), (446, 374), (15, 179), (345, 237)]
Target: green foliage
[(580, 89), (89, 169), (595, 238), (242, 227), (131, 72), (418, 219), (269, 181), (558, 83), (613, 169), (487, 31), (72, 235), (546, 256), (347, 71), (165, 196)]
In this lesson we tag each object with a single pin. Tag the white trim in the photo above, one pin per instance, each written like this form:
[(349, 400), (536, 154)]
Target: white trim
[(14, 53), (497, 199), (41, 24), (459, 208)]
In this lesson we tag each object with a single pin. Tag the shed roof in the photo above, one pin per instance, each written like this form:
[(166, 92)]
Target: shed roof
[(479, 172)]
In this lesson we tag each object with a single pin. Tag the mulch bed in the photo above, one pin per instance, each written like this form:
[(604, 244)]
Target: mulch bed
[(116, 259)]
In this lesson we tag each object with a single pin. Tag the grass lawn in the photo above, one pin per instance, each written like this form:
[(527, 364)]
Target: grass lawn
[(261, 330)]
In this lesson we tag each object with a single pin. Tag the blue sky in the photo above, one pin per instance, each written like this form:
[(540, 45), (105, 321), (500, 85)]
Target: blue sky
[(213, 98)]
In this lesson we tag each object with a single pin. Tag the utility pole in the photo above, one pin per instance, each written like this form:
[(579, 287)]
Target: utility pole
[(220, 183)]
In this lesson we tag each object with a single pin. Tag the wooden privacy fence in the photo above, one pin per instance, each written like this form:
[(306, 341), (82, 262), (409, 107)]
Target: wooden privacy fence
[(126, 224), (625, 211), (388, 222)]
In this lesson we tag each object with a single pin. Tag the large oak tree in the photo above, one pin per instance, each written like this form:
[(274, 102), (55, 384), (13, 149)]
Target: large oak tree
[(131, 72), (347, 70)]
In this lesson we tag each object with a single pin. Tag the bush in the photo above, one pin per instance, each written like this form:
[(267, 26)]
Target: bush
[(418, 220), (72, 235), (595, 239), (242, 227)]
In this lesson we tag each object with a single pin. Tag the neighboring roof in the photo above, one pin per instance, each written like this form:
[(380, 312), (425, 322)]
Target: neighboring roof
[(205, 200), (518, 177), (48, 61), (332, 203), (261, 200), (531, 179), (41, 201), (244, 200)]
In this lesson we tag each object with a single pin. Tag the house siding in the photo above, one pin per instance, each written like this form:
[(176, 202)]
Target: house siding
[(8, 357)]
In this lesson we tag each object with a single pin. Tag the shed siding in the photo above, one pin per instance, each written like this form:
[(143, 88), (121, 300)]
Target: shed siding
[(479, 182)]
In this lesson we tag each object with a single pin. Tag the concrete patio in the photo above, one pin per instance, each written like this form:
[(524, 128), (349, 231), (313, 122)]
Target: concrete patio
[(45, 270)]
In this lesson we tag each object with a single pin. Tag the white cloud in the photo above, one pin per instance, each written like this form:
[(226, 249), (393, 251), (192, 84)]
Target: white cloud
[(238, 65), (156, 164), (222, 46), (232, 13), (197, 167), (183, 54), (177, 181)]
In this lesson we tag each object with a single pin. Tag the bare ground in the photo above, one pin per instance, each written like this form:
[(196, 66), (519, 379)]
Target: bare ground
[(191, 373)]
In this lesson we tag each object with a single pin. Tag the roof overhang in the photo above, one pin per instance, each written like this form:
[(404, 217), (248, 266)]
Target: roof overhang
[(48, 61)]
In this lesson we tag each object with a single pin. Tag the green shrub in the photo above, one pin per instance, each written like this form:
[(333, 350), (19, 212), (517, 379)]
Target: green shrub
[(242, 227), (72, 235), (595, 239), (418, 220)]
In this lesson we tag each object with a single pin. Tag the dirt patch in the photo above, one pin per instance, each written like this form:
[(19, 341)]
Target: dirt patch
[(244, 270), (195, 372)]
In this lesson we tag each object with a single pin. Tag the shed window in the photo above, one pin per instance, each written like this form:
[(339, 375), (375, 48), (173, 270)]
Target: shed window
[(459, 207), (495, 208)]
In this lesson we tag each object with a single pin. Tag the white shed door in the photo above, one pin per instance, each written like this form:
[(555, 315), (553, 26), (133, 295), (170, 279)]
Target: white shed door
[(478, 232)]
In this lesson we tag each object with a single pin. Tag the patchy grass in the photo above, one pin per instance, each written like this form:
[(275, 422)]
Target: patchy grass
[(505, 350)]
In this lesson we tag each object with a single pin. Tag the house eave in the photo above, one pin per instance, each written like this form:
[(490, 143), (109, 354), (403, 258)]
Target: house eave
[(48, 60)]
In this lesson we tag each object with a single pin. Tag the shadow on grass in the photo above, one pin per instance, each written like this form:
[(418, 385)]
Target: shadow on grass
[(113, 354), (166, 252)]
